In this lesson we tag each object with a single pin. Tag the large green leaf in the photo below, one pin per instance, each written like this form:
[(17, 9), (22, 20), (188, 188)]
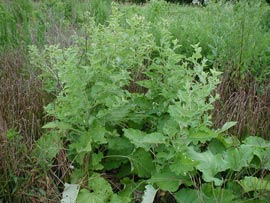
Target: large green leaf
[(181, 164), (167, 180), (119, 149), (143, 140), (99, 185), (237, 158), (209, 164), (101, 191), (142, 163), (254, 141), (261, 149)]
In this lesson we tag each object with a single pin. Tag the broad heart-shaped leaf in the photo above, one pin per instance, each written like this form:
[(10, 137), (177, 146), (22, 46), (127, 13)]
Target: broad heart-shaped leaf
[(149, 194), (254, 184), (101, 191), (256, 142), (261, 149), (202, 134), (70, 193), (209, 164), (167, 180), (143, 140), (240, 157), (182, 164), (142, 163)]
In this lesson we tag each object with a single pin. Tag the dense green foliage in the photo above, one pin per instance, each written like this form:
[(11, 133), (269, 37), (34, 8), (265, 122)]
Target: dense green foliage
[(132, 90), (235, 40), (129, 103), (226, 33)]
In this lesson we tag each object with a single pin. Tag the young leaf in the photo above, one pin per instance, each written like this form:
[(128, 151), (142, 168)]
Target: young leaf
[(57, 124), (226, 126)]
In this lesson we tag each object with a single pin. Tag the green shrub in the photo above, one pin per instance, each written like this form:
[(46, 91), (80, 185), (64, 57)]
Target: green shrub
[(130, 105)]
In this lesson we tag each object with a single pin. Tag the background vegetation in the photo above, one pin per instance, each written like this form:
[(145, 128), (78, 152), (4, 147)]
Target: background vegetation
[(136, 67)]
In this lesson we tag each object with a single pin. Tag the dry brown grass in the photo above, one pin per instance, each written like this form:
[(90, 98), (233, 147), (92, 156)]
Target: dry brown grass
[(22, 97), (22, 179), (241, 102)]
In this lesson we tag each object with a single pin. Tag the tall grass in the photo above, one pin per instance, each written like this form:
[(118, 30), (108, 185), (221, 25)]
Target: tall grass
[(20, 24), (101, 10)]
